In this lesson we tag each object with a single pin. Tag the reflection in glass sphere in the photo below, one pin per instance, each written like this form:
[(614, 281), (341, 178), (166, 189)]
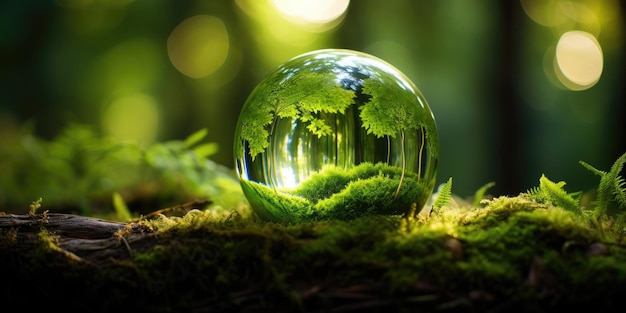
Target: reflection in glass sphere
[(335, 134)]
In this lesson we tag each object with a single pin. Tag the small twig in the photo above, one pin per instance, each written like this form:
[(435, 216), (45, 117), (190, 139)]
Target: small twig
[(184, 207), (120, 236)]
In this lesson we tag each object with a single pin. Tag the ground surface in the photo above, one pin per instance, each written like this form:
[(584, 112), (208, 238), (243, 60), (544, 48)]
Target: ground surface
[(506, 254)]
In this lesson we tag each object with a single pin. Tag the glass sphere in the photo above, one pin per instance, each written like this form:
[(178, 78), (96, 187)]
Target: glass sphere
[(335, 134)]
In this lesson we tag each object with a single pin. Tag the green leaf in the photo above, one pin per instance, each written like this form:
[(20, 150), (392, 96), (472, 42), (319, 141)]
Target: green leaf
[(289, 94), (207, 149), (319, 128), (480, 193), (195, 137), (389, 111), (256, 136), (122, 211)]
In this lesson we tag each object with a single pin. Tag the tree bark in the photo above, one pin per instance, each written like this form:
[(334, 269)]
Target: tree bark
[(84, 239)]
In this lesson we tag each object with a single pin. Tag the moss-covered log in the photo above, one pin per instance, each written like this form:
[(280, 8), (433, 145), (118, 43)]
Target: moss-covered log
[(86, 239), (511, 254)]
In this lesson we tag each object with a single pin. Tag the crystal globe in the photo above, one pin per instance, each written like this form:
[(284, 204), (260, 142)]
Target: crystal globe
[(335, 134)]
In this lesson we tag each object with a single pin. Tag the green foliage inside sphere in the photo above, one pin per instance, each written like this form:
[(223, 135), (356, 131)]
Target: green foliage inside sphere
[(339, 111)]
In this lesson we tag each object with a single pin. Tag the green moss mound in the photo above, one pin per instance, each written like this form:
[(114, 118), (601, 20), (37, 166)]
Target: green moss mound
[(511, 254), (332, 193)]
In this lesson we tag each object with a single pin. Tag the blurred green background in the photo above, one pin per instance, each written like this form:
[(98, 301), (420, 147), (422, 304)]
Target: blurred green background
[(518, 88)]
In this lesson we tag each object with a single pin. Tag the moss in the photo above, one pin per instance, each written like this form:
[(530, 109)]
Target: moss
[(513, 249), (510, 253), (340, 194)]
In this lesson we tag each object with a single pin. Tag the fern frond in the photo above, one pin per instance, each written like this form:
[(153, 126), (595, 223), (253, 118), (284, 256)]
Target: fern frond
[(620, 191), (554, 193), (618, 165), (444, 196), (611, 189), (592, 169), (604, 192), (536, 194)]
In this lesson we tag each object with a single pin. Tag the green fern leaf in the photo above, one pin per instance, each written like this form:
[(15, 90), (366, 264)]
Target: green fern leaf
[(620, 191), (288, 94), (538, 195), (618, 186), (319, 128), (387, 112), (618, 165), (592, 169), (611, 189), (444, 196), (555, 194)]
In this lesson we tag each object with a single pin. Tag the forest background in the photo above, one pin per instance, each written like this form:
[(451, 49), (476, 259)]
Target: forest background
[(507, 106)]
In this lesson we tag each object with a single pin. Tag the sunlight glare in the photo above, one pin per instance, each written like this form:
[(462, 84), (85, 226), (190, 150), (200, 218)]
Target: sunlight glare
[(313, 13)]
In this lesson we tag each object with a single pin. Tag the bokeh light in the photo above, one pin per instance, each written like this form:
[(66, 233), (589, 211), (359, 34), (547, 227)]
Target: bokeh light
[(563, 15), (538, 11), (133, 117), (132, 65), (199, 45), (575, 60), (577, 16), (192, 64), (578, 60), (314, 15), (270, 27)]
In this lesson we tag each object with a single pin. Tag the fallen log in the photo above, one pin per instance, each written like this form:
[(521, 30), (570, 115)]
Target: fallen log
[(86, 239)]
